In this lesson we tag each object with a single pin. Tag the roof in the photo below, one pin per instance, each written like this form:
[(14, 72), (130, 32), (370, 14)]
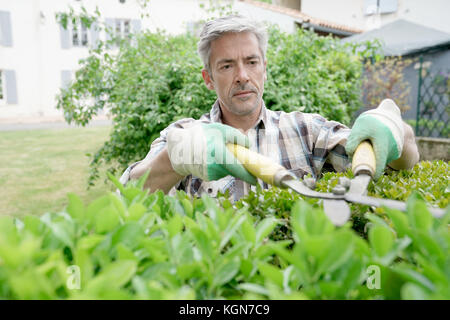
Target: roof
[(306, 20), (402, 37)]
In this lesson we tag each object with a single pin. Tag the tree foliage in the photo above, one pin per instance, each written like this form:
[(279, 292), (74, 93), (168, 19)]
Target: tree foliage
[(385, 79)]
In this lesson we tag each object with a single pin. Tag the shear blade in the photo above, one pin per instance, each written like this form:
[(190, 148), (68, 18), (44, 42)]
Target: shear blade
[(337, 211)]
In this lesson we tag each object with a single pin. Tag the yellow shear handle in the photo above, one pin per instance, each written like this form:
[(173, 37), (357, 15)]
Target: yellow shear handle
[(258, 165), (364, 159)]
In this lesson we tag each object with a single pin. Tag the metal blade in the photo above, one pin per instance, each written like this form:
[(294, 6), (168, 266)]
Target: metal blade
[(359, 184), (337, 211), (300, 188), (394, 204)]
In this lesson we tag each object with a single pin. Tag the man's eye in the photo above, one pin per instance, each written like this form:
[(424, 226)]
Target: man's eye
[(227, 66)]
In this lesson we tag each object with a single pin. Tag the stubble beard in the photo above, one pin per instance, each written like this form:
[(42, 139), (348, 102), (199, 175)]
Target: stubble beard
[(239, 110)]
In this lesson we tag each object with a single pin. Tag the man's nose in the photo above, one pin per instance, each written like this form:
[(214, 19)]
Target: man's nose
[(242, 74)]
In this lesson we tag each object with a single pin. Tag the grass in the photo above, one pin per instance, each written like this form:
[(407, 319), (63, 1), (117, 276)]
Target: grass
[(39, 167)]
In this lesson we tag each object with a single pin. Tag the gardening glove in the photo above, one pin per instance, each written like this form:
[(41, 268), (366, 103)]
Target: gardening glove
[(383, 126), (201, 151)]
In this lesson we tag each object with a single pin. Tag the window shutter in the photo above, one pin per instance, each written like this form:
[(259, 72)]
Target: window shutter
[(370, 7), (65, 37), (66, 78), (95, 35), (136, 25), (5, 29), (11, 89), (388, 6)]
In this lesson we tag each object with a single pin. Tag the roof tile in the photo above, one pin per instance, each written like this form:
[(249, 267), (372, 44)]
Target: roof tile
[(301, 16)]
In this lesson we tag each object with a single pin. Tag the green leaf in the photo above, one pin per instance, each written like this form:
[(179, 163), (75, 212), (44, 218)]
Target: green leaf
[(411, 291), (60, 229), (114, 276), (264, 228), (411, 275), (225, 272), (34, 225), (253, 287), (142, 180), (130, 235), (174, 225), (181, 249), (381, 240), (136, 211), (271, 273), (231, 228), (106, 219), (116, 182), (419, 216), (248, 231), (188, 208), (203, 243), (400, 221), (339, 251), (75, 208), (124, 253)]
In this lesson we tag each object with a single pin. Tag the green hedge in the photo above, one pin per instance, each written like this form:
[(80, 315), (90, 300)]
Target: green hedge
[(269, 245), (155, 79)]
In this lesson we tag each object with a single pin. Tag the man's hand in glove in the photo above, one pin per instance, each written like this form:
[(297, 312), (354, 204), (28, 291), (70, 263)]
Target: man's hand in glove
[(392, 139), (201, 151)]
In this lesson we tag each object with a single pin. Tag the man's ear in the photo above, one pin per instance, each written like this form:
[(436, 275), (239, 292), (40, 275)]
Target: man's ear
[(208, 79)]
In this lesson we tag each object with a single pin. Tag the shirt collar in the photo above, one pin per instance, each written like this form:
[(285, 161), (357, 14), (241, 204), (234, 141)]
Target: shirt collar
[(216, 114)]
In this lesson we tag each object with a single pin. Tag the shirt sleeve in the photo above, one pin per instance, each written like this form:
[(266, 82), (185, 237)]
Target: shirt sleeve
[(328, 141), (156, 147)]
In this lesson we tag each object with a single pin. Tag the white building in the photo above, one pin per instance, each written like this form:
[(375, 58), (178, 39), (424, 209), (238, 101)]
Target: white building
[(370, 14), (38, 57)]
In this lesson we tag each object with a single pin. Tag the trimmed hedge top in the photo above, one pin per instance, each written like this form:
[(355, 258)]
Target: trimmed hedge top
[(270, 245)]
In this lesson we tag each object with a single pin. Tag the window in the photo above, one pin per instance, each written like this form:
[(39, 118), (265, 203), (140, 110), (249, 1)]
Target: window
[(2, 87), (194, 27), (5, 29), (8, 90), (122, 28), (379, 7), (80, 35)]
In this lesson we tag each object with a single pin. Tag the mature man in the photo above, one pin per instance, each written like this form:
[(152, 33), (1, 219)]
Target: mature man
[(191, 155)]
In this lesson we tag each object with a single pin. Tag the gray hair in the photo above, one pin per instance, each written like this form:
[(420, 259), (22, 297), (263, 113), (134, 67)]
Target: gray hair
[(214, 29)]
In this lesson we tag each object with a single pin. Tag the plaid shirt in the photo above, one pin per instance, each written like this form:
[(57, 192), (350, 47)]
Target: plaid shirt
[(303, 143)]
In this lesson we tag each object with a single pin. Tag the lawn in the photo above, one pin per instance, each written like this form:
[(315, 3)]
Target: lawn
[(39, 167)]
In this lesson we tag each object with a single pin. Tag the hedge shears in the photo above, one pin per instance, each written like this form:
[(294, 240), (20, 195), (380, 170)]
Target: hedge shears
[(335, 203)]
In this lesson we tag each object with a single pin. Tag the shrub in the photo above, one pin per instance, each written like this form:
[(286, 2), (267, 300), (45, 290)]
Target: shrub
[(385, 79), (155, 79), (151, 246)]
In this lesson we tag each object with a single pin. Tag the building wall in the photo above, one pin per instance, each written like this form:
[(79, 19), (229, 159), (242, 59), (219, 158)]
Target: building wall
[(431, 13)]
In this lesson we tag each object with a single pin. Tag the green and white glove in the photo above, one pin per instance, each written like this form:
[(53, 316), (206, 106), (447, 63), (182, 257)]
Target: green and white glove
[(201, 151), (383, 126)]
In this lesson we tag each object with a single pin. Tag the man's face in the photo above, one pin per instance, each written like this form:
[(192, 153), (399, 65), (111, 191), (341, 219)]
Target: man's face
[(237, 72)]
